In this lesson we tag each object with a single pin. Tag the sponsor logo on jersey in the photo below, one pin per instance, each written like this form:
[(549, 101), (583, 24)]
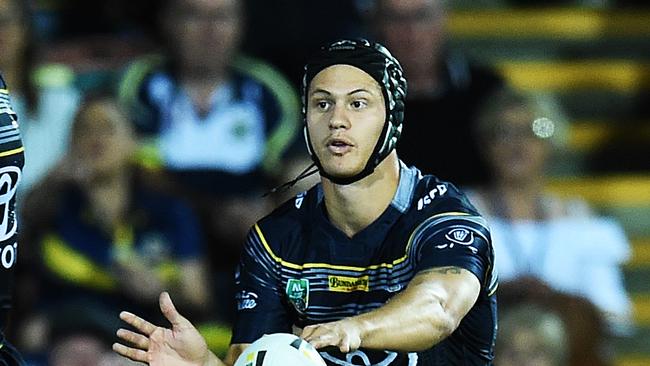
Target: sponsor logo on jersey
[(246, 300), (298, 293), (459, 236), (439, 191), (348, 284)]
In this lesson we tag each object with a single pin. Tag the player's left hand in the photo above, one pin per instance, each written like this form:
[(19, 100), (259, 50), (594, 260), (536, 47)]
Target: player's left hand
[(344, 334)]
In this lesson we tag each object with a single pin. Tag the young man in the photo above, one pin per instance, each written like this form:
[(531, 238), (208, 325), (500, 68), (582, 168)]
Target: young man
[(377, 265), (11, 164)]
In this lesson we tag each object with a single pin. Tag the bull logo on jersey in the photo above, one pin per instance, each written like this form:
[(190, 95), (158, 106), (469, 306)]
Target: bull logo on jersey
[(298, 293), (459, 236)]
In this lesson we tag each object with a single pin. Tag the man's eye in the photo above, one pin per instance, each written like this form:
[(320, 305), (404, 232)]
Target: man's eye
[(322, 104), (358, 104)]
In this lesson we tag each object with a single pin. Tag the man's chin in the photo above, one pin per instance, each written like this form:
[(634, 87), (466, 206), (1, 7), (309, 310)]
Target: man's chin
[(341, 173)]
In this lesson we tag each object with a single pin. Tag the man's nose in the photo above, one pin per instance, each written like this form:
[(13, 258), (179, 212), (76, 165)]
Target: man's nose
[(339, 118)]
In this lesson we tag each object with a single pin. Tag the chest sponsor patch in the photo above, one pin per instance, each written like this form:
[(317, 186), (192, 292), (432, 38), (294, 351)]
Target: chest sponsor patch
[(348, 284)]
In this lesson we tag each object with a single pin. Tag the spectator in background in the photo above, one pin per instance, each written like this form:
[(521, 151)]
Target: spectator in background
[(99, 235), (217, 123), (444, 89), (539, 326), (531, 336), (535, 233), (44, 97)]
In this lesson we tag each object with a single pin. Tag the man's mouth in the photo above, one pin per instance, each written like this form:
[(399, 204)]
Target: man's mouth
[(339, 146)]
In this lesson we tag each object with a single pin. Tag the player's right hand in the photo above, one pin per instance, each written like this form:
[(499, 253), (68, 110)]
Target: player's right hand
[(181, 345)]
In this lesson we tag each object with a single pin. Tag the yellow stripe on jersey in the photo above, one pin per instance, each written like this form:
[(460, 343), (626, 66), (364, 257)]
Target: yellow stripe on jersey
[(74, 266), (12, 152), (346, 268)]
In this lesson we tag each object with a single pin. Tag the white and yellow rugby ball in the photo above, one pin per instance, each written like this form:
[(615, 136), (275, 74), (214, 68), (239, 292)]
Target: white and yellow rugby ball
[(280, 349)]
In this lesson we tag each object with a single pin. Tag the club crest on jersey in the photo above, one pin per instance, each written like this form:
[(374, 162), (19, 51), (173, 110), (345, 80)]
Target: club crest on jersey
[(459, 236), (298, 293)]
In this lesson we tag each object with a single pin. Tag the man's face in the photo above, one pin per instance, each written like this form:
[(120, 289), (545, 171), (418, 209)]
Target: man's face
[(102, 141), (205, 33), (513, 149), (345, 116)]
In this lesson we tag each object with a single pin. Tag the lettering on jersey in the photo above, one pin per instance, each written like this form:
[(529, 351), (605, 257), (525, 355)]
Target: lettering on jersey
[(439, 191), (298, 293), (9, 178), (348, 284), (8, 255), (246, 300), (299, 198), (460, 236)]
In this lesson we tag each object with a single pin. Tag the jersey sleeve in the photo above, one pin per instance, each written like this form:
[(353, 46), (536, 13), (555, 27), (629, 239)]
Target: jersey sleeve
[(259, 296), (456, 239)]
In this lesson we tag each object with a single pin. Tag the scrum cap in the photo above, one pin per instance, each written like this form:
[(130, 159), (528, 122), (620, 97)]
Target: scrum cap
[(376, 61)]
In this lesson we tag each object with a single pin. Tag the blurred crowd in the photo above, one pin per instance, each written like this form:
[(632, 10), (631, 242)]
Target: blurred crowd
[(153, 129)]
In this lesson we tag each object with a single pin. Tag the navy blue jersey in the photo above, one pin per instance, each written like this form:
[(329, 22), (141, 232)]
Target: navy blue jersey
[(297, 269)]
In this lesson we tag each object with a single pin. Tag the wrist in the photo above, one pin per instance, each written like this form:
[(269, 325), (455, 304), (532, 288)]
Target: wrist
[(361, 325), (213, 360)]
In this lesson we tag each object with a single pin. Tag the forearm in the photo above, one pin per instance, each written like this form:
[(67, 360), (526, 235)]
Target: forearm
[(412, 321)]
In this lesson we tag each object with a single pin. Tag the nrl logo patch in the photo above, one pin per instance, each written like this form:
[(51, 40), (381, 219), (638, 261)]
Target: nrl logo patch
[(298, 293)]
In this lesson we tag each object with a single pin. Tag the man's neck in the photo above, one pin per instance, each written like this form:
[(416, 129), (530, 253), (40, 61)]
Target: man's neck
[(201, 89), (109, 199), (519, 200), (353, 207)]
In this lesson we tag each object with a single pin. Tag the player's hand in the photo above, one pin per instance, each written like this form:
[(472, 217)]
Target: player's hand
[(343, 334), (181, 345)]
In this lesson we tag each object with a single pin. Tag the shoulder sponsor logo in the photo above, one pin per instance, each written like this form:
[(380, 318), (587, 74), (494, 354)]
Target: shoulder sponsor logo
[(459, 236), (246, 300), (348, 284), (439, 191), (298, 293)]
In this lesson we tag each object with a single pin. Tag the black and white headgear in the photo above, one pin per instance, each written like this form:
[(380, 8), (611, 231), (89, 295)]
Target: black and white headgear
[(376, 61)]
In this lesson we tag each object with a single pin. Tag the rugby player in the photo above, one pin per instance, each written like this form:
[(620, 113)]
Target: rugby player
[(376, 265)]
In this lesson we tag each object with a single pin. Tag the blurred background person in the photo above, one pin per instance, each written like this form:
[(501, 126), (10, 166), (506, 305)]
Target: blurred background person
[(531, 336), (535, 233), (540, 326), (99, 235), (444, 89), (217, 124), (43, 96)]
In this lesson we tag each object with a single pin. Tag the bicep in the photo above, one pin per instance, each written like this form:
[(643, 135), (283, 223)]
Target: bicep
[(455, 288)]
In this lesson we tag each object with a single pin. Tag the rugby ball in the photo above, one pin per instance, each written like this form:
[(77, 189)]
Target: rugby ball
[(280, 349)]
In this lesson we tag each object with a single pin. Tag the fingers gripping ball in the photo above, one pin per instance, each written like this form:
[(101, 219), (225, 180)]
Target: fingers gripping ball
[(280, 349)]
